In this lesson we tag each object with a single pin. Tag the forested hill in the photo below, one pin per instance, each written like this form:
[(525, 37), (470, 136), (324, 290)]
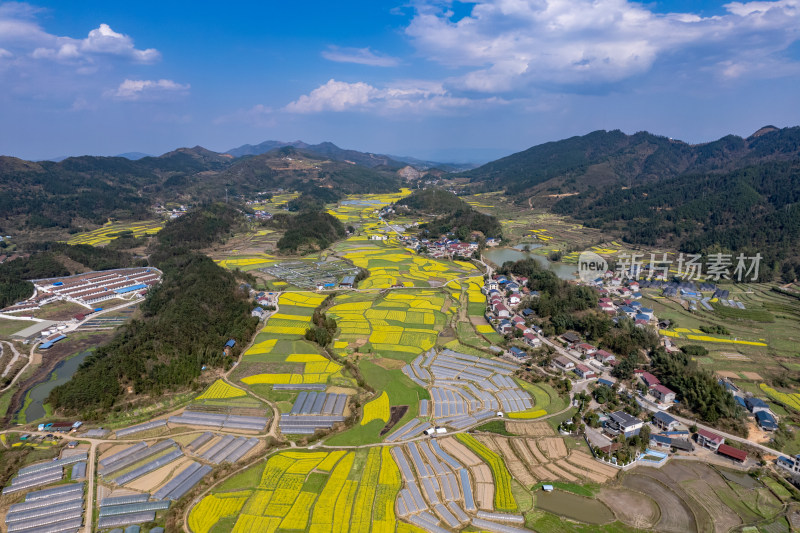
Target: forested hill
[(451, 214), (752, 210), (89, 190), (604, 158), (185, 323)]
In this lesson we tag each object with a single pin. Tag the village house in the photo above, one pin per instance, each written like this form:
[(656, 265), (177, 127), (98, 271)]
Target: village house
[(604, 357), (584, 372), (532, 340), (709, 440), (662, 394), (665, 422), (587, 349), (563, 363), (621, 422), (571, 338)]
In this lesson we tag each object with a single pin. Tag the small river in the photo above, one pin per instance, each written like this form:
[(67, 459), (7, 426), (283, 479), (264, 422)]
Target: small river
[(63, 372), (499, 256)]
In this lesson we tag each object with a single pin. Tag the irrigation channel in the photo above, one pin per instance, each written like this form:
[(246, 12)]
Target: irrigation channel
[(62, 373)]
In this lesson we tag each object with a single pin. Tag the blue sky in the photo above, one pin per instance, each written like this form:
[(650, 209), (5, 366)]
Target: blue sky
[(428, 78)]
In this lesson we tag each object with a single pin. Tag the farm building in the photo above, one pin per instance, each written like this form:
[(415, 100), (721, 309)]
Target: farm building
[(517, 353), (766, 421), (709, 440), (660, 441), (737, 455), (571, 337), (754, 405), (31, 332), (348, 282)]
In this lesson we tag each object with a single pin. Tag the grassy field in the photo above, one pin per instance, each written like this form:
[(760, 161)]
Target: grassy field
[(401, 391), (766, 348)]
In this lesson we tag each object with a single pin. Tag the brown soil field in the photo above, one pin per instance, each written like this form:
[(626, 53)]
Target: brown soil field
[(722, 517), (727, 374), (675, 514), (482, 473), (484, 496), (523, 451), (753, 376), (553, 447), (389, 364), (460, 452), (535, 451), (560, 473), (540, 472), (633, 508), (587, 461), (530, 429), (582, 472), (516, 466), (112, 449), (156, 478), (341, 390)]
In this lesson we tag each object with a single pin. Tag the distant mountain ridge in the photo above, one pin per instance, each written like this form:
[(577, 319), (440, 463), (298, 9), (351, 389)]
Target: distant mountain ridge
[(603, 158), (332, 151)]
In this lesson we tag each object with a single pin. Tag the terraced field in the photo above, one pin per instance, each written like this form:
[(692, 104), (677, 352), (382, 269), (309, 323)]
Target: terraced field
[(109, 231)]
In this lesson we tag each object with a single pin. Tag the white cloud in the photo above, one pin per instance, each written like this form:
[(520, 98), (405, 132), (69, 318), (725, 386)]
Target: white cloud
[(135, 90), (411, 96), (21, 33), (504, 45), (361, 56), (102, 41)]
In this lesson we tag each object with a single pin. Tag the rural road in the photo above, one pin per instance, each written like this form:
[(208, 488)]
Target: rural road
[(4, 345)]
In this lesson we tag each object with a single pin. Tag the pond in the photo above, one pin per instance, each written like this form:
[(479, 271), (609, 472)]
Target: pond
[(61, 374), (574, 507), (498, 256)]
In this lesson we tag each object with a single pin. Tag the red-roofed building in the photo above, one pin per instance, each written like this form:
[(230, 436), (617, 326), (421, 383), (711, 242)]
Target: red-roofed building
[(532, 340), (737, 455), (709, 440), (584, 372), (649, 379), (586, 349), (663, 394), (604, 356)]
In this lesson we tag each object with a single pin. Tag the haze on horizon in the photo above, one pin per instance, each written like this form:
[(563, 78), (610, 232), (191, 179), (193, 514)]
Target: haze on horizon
[(438, 80)]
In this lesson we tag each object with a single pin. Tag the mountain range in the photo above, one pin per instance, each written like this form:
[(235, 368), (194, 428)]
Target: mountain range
[(735, 194)]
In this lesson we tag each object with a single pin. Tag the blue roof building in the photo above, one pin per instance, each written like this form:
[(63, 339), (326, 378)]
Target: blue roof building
[(230, 344), (766, 421), (606, 382), (756, 404), (516, 352)]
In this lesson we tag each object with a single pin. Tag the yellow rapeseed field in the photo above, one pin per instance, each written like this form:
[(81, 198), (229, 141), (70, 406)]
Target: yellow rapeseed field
[(377, 409), (221, 390)]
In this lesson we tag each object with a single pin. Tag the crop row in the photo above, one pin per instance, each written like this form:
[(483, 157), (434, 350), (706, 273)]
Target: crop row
[(503, 496)]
